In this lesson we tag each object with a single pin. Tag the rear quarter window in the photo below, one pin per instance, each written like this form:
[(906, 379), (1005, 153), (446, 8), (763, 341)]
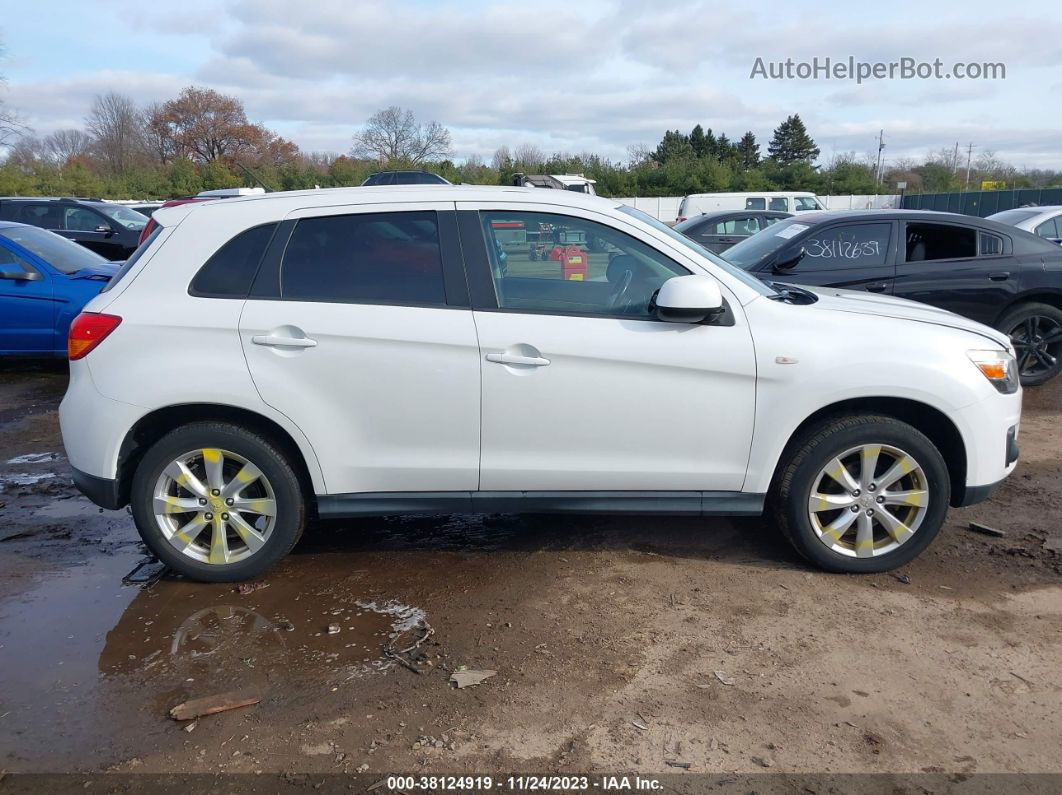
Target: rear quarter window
[(231, 269)]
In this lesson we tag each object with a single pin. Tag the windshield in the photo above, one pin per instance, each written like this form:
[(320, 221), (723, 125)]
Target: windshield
[(746, 278), (130, 219), (753, 250), (64, 255)]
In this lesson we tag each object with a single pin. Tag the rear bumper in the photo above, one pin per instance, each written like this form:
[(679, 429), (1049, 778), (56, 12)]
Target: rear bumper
[(105, 492)]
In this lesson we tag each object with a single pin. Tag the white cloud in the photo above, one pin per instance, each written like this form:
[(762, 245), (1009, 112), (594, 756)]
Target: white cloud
[(589, 76)]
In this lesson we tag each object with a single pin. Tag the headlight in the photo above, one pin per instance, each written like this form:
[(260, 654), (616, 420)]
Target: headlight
[(998, 367)]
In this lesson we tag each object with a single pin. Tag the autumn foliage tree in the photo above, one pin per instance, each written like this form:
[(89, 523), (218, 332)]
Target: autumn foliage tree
[(204, 125)]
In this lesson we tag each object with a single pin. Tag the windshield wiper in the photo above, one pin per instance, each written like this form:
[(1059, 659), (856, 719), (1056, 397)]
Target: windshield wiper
[(789, 294)]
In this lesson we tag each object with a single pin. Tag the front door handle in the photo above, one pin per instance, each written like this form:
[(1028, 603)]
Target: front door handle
[(877, 288), (275, 341), (999, 276), (508, 358)]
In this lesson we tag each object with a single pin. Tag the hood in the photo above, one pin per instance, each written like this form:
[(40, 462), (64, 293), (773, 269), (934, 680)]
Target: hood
[(102, 271), (864, 303)]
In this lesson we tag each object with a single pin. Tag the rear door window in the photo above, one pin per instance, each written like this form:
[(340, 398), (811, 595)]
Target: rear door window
[(377, 258), (927, 242)]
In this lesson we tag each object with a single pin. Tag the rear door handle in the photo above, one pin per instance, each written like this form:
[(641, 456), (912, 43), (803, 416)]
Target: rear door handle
[(508, 358), (999, 276), (283, 342), (877, 288)]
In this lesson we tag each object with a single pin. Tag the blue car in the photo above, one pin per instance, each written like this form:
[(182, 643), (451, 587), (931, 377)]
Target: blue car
[(45, 280)]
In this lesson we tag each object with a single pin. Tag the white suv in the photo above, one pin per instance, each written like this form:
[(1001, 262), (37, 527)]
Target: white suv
[(437, 349)]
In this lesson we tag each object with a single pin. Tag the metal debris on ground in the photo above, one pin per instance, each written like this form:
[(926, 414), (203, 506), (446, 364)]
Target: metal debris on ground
[(146, 573), (674, 763), (903, 578), (639, 725), (210, 705), (245, 588), (469, 678), (722, 677), (984, 529), (333, 629)]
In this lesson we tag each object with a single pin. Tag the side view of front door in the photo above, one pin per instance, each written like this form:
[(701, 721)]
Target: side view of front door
[(582, 388)]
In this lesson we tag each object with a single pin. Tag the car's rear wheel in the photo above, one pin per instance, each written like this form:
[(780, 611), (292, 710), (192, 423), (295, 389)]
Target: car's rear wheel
[(1035, 330), (217, 503), (862, 493)]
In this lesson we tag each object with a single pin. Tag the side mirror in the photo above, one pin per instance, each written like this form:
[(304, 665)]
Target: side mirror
[(790, 260), (105, 229), (14, 273), (688, 299)]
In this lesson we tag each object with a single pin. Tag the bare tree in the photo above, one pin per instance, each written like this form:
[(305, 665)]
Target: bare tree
[(117, 125), (394, 134), (63, 145), (637, 154), (26, 152), (529, 155), (502, 159)]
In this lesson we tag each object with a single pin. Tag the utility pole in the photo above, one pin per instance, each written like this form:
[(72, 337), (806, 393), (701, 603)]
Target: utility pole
[(879, 169), (969, 158)]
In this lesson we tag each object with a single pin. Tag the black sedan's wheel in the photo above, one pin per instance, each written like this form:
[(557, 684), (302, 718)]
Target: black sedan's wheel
[(1035, 330)]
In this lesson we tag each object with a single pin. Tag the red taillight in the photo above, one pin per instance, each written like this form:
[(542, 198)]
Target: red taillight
[(145, 233), (87, 331)]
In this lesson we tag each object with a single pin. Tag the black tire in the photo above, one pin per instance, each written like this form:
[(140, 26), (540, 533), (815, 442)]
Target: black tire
[(1013, 325), (288, 494), (814, 450)]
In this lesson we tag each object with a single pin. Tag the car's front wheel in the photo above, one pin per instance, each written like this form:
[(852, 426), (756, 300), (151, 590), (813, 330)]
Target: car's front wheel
[(216, 502), (861, 494)]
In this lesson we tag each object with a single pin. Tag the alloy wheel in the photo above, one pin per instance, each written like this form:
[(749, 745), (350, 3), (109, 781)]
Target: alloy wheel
[(214, 506), (868, 500), (1037, 344)]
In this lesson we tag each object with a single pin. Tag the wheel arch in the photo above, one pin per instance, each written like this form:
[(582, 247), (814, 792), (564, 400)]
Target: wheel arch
[(932, 422), (154, 425), (1040, 296)]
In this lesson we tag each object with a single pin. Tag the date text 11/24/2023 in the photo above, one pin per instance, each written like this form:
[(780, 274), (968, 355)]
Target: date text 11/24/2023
[(525, 783)]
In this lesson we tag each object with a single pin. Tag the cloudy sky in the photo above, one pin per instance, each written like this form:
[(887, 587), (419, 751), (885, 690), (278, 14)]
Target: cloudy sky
[(592, 75)]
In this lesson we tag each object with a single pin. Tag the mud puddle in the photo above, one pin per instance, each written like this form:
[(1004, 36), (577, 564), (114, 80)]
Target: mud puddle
[(84, 657)]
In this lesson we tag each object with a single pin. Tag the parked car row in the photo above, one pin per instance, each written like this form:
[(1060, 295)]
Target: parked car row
[(999, 275)]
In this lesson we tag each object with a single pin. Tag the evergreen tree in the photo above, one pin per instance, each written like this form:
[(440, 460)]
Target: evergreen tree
[(748, 152), (697, 141), (674, 146), (711, 146), (724, 149), (791, 143)]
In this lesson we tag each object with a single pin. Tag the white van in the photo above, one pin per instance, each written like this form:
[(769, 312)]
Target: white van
[(785, 201)]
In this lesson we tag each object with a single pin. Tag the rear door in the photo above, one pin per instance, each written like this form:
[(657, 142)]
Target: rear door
[(855, 256), (27, 308), (958, 267), (359, 329)]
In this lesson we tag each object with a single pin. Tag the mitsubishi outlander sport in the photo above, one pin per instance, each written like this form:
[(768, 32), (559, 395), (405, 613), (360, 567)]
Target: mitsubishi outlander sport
[(444, 349)]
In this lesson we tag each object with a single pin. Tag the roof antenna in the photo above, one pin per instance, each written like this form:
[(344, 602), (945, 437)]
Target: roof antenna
[(255, 178)]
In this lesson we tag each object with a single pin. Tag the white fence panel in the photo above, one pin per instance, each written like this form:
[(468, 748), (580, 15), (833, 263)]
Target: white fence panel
[(663, 208), (865, 201)]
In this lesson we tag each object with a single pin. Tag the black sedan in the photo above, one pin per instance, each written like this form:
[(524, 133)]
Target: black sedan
[(999, 275), (719, 231)]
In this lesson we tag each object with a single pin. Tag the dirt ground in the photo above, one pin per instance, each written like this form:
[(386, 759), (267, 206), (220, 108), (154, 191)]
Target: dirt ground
[(619, 643)]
